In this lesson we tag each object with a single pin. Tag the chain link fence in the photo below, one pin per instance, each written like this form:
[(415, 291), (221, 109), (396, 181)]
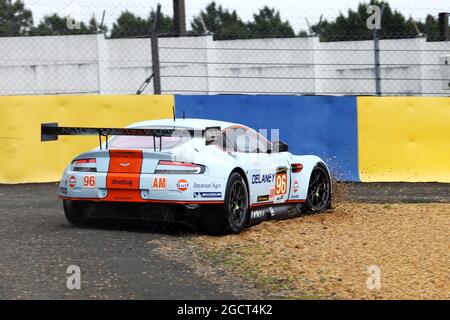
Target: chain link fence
[(262, 56)]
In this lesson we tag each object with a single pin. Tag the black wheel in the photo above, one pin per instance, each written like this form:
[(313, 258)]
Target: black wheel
[(319, 190), (232, 216), (73, 211)]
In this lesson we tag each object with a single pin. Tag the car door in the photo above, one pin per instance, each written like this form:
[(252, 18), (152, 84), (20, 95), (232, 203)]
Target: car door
[(267, 173)]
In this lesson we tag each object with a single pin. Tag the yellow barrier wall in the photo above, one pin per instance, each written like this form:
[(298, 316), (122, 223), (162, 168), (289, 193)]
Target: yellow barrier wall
[(404, 139), (24, 158)]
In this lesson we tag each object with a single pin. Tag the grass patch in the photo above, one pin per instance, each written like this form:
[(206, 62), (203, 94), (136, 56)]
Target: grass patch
[(248, 262)]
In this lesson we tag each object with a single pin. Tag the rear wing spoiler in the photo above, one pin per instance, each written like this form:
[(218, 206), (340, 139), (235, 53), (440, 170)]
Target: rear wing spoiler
[(51, 131)]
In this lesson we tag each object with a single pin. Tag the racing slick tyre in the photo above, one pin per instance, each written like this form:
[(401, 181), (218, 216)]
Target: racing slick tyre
[(232, 216), (319, 190), (73, 210)]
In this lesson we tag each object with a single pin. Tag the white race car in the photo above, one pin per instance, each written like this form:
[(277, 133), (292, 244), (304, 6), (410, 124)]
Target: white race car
[(221, 176)]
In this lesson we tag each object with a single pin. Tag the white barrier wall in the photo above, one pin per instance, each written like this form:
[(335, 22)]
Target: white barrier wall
[(48, 65), (198, 65)]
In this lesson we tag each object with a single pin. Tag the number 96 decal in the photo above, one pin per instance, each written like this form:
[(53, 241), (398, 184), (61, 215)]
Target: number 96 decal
[(89, 182), (280, 184)]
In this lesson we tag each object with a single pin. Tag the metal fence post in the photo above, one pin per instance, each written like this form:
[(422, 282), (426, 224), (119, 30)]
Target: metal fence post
[(444, 31), (179, 17), (155, 52), (376, 49)]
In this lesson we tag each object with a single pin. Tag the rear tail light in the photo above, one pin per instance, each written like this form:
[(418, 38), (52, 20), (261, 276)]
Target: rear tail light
[(79, 161), (296, 167), (176, 167), (85, 165)]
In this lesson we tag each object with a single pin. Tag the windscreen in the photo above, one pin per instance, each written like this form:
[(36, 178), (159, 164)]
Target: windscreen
[(149, 142)]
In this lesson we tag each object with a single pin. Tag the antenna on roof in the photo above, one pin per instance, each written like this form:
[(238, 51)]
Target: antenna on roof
[(184, 116), (173, 111), (419, 34), (310, 27), (205, 28), (100, 29), (319, 24)]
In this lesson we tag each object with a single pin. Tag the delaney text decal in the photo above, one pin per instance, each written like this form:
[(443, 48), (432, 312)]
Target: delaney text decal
[(262, 178)]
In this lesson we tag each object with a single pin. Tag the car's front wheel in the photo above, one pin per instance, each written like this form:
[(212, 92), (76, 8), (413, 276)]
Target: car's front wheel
[(232, 216), (319, 190)]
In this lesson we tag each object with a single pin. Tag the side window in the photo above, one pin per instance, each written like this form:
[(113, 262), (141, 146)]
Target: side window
[(229, 143), (242, 139), (245, 142)]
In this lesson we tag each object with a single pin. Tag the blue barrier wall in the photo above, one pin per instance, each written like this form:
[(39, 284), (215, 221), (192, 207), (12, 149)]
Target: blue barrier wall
[(321, 125)]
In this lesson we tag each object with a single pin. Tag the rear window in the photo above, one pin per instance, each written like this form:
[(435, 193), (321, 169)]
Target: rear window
[(146, 142)]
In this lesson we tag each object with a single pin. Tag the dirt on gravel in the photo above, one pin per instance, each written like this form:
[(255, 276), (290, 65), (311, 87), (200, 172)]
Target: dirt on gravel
[(337, 254)]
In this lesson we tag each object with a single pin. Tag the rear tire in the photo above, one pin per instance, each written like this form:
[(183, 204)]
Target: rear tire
[(232, 216), (319, 191), (73, 210)]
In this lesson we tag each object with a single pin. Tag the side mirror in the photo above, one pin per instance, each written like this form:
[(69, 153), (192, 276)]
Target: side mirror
[(280, 146), (212, 135)]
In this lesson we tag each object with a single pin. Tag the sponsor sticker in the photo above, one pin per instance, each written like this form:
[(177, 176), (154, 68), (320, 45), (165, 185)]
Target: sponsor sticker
[(279, 199), (89, 182), (211, 185), (123, 198), (72, 181), (258, 214), (272, 212), (272, 193), (295, 185), (262, 178), (262, 213), (263, 198), (281, 170), (122, 182), (280, 183), (207, 194), (159, 183), (182, 185)]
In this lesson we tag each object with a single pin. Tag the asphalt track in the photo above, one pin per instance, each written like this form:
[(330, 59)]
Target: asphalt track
[(396, 192), (124, 261)]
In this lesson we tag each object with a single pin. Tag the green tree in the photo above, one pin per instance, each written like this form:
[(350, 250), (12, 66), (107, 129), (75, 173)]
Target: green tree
[(224, 24), (57, 25), (353, 26), (94, 26), (15, 20), (267, 23), (128, 25), (430, 28), (302, 33)]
